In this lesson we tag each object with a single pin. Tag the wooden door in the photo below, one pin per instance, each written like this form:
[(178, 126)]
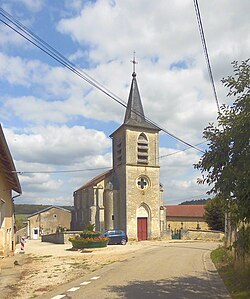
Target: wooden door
[(142, 228)]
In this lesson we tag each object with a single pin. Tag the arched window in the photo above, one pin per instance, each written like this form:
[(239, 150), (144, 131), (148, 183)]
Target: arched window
[(142, 149)]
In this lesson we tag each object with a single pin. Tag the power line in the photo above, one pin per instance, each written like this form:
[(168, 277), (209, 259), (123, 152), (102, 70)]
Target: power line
[(91, 169), (180, 151), (204, 44), (60, 171), (46, 48)]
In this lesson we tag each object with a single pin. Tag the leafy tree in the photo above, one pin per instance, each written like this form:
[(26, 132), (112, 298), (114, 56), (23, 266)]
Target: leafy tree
[(21, 221), (242, 243), (215, 213), (226, 164)]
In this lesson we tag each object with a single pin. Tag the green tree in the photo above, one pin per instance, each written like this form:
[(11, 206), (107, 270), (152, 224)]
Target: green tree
[(242, 243), (215, 213), (226, 164)]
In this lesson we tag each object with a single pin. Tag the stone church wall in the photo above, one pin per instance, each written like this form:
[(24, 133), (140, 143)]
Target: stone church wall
[(149, 198)]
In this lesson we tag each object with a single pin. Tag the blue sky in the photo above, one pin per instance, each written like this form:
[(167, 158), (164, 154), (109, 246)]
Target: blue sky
[(53, 120)]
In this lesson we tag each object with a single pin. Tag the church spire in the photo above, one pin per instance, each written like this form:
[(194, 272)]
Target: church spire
[(134, 115), (134, 111)]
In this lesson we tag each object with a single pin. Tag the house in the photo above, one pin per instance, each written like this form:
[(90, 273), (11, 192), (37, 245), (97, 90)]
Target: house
[(185, 217), (9, 183), (128, 196), (48, 221)]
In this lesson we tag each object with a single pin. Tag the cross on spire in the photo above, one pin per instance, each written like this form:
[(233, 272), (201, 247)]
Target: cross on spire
[(134, 63)]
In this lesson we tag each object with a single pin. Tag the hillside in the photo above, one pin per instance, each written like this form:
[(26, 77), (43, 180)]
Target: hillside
[(30, 209), (195, 202)]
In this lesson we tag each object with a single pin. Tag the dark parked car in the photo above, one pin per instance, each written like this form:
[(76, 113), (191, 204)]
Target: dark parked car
[(116, 236)]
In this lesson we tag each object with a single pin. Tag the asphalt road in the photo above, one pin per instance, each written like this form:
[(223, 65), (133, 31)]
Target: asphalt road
[(173, 270)]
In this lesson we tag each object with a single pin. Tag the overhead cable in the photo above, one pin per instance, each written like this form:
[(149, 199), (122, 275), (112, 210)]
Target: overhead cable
[(60, 171), (180, 151), (204, 44), (46, 48), (90, 169)]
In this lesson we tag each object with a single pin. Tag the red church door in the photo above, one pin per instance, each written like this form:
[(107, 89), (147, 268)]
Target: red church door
[(142, 228)]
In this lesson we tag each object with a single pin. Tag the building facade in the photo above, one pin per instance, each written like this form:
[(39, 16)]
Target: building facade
[(9, 183), (48, 221), (186, 217), (129, 196)]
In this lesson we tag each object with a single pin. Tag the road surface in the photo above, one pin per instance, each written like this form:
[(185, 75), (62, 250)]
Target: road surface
[(170, 270)]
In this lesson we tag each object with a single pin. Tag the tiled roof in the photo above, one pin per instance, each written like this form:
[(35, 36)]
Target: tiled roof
[(185, 211), (48, 208), (96, 180)]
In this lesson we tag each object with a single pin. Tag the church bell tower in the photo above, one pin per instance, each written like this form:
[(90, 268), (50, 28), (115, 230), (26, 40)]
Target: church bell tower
[(136, 171)]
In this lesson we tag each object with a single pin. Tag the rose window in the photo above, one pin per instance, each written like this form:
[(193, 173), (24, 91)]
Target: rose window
[(142, 183)]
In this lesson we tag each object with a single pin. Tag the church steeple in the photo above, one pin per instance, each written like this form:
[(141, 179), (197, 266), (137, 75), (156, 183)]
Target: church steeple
[(134, 115), (134, 112)]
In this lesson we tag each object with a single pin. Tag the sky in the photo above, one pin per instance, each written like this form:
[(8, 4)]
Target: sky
[(55, 121)]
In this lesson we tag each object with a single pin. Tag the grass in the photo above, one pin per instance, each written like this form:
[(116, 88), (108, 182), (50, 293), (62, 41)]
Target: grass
[(234, 276)]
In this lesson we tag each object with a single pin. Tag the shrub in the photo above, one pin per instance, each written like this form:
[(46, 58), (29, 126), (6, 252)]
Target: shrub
[(88, 242), (89, 234)]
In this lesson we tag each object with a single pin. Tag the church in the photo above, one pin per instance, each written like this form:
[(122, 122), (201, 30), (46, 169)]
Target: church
[(129, 196)]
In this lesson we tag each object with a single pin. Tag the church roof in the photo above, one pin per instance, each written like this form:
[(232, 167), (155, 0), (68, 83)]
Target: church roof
[(185, 211), (96, 179), (134, 115)]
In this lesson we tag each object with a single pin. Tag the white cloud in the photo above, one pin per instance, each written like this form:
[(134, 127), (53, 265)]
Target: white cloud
[(42, 153), (167, 30), (177, 191), (33, 5), (64, 94), (40, 182), (179, 177), (57, 145), (171, 74), (9, 37)]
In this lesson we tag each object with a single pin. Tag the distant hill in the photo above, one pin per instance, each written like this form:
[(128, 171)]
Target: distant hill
[(30, 209), (195, 202)]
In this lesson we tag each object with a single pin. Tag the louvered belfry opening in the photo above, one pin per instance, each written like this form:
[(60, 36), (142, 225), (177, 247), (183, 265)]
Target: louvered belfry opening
[(142, 149), (119, 152)]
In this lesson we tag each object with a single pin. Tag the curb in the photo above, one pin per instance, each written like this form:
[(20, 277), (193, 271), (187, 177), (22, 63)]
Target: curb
[(217, 285)]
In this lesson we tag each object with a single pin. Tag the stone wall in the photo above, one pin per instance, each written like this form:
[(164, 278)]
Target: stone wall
[(186, 223), (202, 235), (60, 238), (166, 235), (7, 242), (148, 198), (57, 238)]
